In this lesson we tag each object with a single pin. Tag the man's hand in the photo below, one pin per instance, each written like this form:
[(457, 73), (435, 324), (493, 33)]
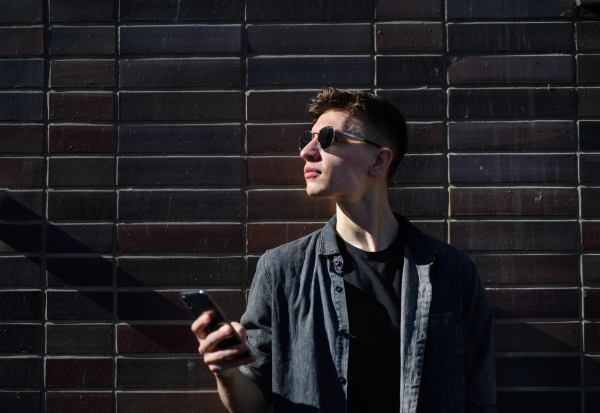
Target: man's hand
[(221, 362)]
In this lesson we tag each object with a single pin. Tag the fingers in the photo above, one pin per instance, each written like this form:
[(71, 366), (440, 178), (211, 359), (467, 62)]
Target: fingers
[(210, 342), (199, 326), (218, 367)]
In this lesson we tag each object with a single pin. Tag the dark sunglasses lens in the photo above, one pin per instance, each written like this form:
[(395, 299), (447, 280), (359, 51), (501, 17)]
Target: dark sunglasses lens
[(305, 139), (326, 137)]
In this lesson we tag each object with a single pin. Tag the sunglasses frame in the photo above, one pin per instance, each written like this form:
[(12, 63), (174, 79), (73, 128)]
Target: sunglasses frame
[(322, 132)]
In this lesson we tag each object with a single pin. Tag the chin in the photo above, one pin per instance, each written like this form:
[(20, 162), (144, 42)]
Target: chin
[(316, 192)]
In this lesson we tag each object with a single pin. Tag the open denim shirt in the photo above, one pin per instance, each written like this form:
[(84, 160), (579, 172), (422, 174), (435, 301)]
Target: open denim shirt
[(297, 325)]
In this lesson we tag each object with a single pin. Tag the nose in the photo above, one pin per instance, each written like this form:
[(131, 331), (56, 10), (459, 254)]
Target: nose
[(310, 152)]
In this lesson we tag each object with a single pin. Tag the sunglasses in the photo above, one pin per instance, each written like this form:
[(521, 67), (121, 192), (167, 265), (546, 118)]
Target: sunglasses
[(326, 136)]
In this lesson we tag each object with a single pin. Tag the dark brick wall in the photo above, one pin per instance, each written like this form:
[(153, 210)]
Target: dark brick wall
[(150, 146)]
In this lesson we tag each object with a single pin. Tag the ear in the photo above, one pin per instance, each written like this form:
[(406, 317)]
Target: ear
[(382, 159)]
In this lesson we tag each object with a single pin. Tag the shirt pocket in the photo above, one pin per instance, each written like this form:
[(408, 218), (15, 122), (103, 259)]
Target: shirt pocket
[(443, 346)]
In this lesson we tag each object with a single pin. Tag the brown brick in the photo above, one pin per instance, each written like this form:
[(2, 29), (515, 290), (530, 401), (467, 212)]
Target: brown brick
[(21, 372), (514, 236), (79, 372), (588, 35), (513, 201), (21, 172), (421, 169), (262, 237), (294, 203), (548, 401), (590, 235), (589, 168), (275, 170), (21, 338), (538, 371), (591, 303), (592, 370), (408, 36), (409, 70), (89, 402), (418, 202), (81, 138), (21, 205), (510, 69), (79, 238), (425, 9), (79, 305), (155, 402), (81, 106), (155, 339), (275, 138), (20, 238), (163, 373), (434, 229), (536, 337), (591, 334), (511, 135), (527, 269), (81, 205), (589, 101), (590, 202), (22, 139), (279, 105), (81, 11), (587, 68), (534, 303), (80, 272), (425, 136), (81, 171), (82, 73), (179, 238), (590, 268), (21, 40), (21, 305)]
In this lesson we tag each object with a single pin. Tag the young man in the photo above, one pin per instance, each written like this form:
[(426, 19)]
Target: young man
[(367, 314)]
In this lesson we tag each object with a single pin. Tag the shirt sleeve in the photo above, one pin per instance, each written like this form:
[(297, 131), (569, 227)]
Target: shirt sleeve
[(257, 322), (478, 350)]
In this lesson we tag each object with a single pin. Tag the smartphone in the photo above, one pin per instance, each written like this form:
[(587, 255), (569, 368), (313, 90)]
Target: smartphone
[(201, 301)]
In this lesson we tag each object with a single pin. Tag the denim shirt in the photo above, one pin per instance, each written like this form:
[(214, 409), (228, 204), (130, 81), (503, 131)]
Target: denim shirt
[(297, 325)]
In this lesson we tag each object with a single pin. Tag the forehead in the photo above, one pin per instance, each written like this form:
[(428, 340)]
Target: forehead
[(339, 120)]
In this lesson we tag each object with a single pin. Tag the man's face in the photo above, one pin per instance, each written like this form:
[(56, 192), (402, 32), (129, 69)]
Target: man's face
[(342, 171)]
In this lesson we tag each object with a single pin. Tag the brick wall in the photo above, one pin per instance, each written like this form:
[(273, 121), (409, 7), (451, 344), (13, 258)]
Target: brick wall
[(150, 146)]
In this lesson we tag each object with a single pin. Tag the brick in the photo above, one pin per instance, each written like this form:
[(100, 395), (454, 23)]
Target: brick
[(180, 11), (416, 103), (589, 135), (589, 101), (180, 39), (21, 106), (587, 68), (155, 339), (22, 139), (20, 338), (592, 401), (534, 303), (81, 171), (512, 168), (179, 237), (20, 11), (163, 373), (79, 305), (80, 205), (135, 272), (589, 168), (20, 372), (434, 229), (81, 106), (590, 202), (80, 138), (21, 205), (20, 305), (510, 37), (592, 370), (21, 401), (549, 401), (80, 372), (425, 136), (137, 402), (523, 135), (82, 40), (408, 36), (89, 402), (510, 69), (274, 138), (591, 334), (527, 269), (279, 105), (588, 35), (20, 238), (179, 171), (261, 237), (590, 269), (308, 38), (82, 73), (79, 238), (470, 9), (79, 338), (16, 73), (417, 169), (203, 204), (418, 202), (20, 271), (180, 72), (252, 264), (79, 272), (21, 41), (180, 138), (590, 235), (425, 9), (409, 70), (183, 106), (536, 337), (333, 70), (310, 10), (291, 204), (275, 170), (72, 11), (538, 371), (514, 236), (513, 201), (541, 102), (591, 303)]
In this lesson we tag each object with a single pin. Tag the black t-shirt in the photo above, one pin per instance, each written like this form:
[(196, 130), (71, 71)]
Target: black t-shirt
[(373, 282)]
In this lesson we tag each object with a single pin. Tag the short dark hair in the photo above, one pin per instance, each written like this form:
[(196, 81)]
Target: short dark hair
[(382, 119)]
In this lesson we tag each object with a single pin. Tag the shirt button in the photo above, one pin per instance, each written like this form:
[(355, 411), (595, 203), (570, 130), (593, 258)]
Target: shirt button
[(342, 380), (338, 289), (341, 333)]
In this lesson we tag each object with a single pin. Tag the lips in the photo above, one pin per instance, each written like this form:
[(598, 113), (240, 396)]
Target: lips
[(310, 172)]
